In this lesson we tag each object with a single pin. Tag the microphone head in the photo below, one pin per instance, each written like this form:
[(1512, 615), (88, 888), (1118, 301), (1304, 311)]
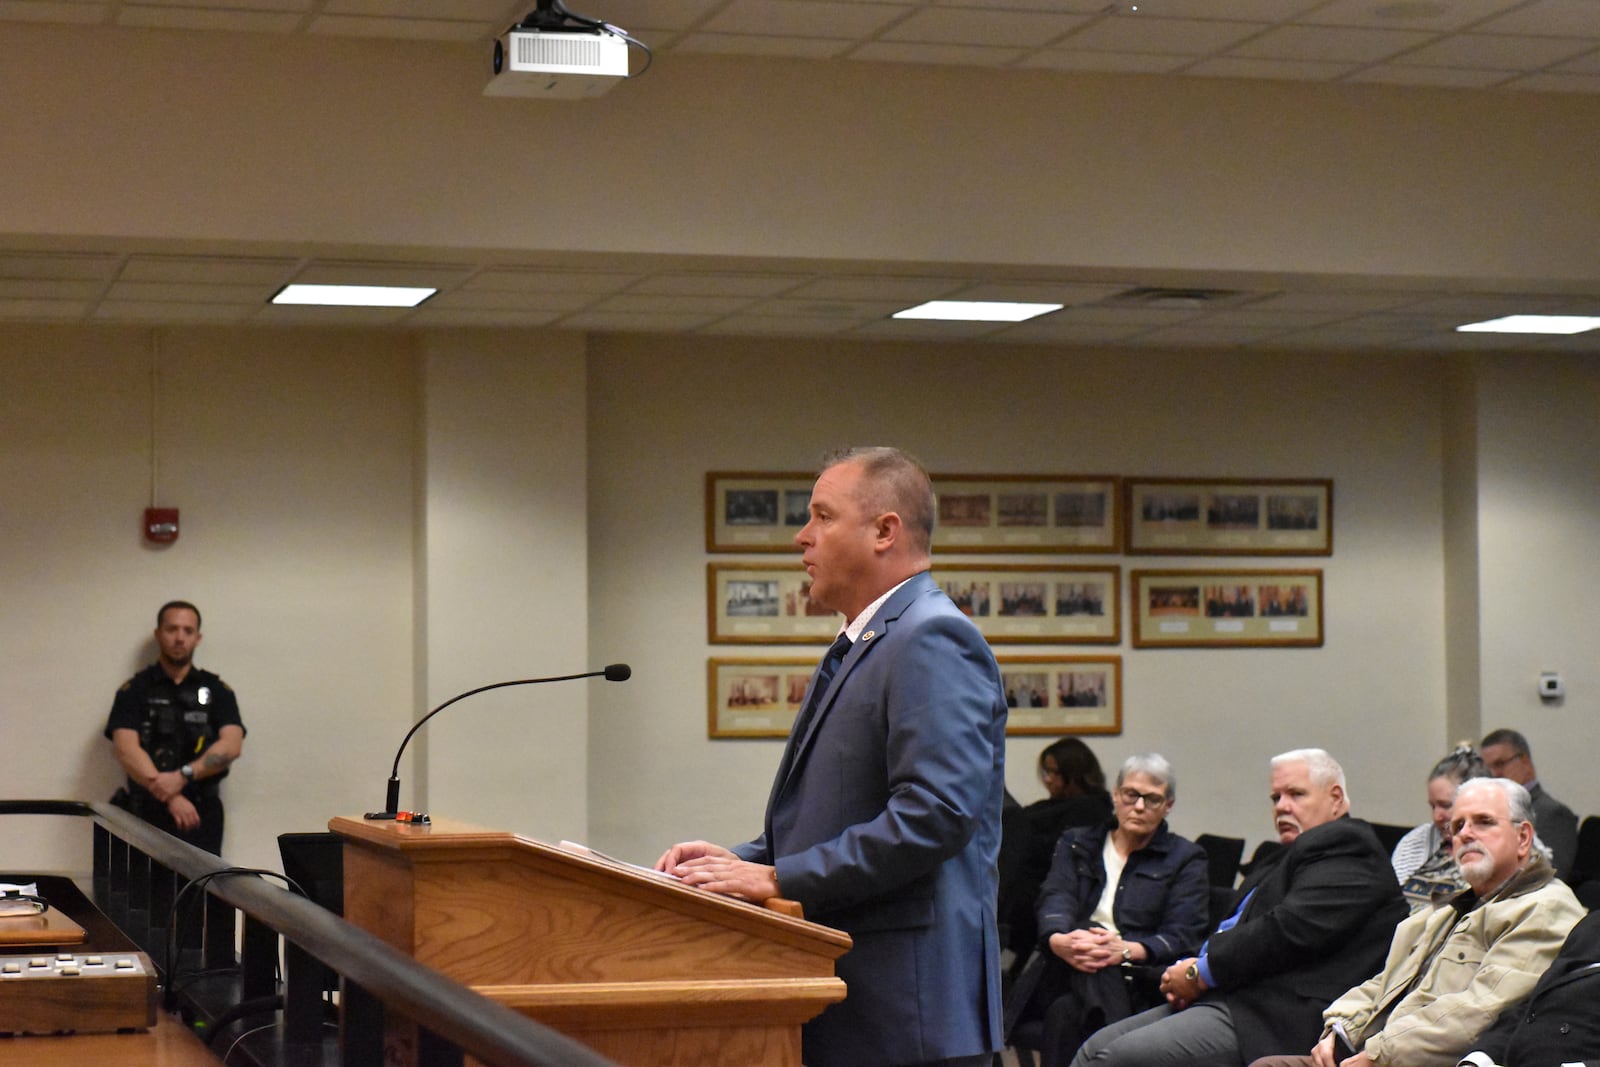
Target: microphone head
[(618, 672)]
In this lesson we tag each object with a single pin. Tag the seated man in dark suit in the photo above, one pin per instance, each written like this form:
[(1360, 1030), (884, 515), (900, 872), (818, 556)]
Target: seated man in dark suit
[(1558, 1022), (1307, 925), (1507, 755)]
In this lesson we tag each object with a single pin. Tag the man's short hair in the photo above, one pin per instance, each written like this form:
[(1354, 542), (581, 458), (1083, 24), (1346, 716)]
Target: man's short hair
[(1518, 803), (1325, 770), (1153, 764), (1518, 743), (162, 614), (894, 481)]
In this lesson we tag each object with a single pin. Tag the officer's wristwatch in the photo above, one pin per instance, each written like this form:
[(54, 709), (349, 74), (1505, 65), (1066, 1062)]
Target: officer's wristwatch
[(1192, 972), (187, 772), (1127, 954)]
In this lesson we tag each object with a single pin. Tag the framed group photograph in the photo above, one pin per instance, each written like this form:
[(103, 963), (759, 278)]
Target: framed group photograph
[(1239, 608), (748, 511), (1026, 513), (1011, 603), (756, 697), (764, 604), (1018, 603), (1239, 517), (1056, 695)]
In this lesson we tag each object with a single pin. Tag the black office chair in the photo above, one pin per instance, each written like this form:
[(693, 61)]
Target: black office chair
[(1222, 858), (1222, 866), (1585, 878), (1389, 834), (315, 862)]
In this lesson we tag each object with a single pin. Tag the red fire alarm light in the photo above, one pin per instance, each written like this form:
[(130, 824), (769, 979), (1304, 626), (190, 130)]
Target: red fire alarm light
[(161, 525)]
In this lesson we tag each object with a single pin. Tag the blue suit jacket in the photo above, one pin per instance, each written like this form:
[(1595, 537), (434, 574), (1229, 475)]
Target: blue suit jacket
[(884, 821)]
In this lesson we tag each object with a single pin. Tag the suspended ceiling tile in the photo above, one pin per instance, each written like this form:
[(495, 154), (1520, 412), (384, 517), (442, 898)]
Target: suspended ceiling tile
[(207, 270), (1007, 29), (873, 287), (709, 284), (942, 54), (1285, 69), (1481, 51), (1347, 44), (627, 321), (521, 280)]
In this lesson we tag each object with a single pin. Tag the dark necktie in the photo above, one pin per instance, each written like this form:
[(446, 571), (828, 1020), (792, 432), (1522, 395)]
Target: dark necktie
[(819, 685)]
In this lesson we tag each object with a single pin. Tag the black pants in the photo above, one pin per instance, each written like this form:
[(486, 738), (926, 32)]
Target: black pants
[(208, 835)]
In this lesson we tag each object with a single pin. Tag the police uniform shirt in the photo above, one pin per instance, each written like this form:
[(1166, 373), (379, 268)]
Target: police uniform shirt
[(176, 723)]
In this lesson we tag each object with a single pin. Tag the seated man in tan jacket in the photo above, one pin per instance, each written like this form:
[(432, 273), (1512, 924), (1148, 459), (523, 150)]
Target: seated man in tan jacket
[(1453, 968)]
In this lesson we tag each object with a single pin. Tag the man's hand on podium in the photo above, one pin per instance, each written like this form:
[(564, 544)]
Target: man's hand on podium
[(712, 867)]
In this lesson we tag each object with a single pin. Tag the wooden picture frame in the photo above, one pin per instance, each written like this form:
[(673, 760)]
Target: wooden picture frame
[(1229, 517), (755, 697), (764, 604), (1227, 608), (1048, 604), (1059, 695), (752, 511), (755, 511), (1078, 513)]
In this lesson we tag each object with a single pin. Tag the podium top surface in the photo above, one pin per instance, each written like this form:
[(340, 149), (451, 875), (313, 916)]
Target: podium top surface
[(446, 840)]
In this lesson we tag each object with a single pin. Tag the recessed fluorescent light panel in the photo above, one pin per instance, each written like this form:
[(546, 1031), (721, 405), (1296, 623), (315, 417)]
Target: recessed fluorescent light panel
[(353, 296), (1563, 324), (976, 311)]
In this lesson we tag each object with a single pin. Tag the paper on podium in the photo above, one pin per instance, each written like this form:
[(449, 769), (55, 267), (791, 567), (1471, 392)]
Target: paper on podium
[(584, 850)]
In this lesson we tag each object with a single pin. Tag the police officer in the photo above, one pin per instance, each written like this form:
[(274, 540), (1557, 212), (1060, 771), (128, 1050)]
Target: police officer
[(176, 729)]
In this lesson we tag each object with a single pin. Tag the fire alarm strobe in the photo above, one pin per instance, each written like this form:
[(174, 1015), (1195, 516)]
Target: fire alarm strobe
[(161, 525)]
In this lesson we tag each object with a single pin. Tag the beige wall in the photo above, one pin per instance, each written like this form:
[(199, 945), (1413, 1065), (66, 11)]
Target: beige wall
[(1538, 513), (504, 525), (375, 521), (664, 411), (289, 456)]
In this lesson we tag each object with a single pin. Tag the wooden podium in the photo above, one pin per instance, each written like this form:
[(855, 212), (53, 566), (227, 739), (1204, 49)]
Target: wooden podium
[(643, 969)]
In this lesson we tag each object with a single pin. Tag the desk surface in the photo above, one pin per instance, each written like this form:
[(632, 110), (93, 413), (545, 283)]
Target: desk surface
[(170, 1044)]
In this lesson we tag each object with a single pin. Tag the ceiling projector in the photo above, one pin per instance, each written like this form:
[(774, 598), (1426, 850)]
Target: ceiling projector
[(557, 65)]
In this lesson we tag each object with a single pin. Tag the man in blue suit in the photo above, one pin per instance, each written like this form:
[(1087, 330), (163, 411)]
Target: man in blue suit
[(884, 817)]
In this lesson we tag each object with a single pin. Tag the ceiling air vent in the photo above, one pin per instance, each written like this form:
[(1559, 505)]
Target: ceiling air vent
[(1178, 299)]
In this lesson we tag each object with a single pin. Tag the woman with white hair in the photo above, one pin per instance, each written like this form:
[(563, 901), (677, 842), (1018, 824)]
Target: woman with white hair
[(1123, 898)]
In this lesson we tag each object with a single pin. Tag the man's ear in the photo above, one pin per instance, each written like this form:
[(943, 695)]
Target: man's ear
[(1339, 802), (1525, 835), (886, 530)]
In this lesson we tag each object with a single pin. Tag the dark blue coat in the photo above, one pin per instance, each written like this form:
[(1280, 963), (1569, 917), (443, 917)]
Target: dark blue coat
[(1161, 900), (884, 821)]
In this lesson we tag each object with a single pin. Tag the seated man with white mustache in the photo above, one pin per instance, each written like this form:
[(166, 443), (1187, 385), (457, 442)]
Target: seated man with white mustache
[(1305, 924), (1453, 968)]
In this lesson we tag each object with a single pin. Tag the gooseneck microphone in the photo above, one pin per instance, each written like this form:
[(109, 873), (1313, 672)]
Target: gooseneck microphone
[(616, 672)]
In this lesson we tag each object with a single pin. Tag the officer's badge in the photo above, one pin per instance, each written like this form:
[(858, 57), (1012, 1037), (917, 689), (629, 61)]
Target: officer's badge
[(203, 694)]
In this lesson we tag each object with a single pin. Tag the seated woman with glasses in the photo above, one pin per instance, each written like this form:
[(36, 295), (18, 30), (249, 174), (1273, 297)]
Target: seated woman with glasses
[(1122, 900), (1075, 788)]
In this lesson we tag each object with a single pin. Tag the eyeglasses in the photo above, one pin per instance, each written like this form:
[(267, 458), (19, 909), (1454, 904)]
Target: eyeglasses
[(1498, 765), (1480, 823), (1131, 797)]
